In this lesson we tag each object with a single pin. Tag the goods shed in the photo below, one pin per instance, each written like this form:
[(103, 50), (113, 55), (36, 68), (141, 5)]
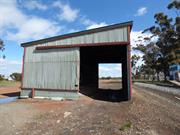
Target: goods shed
[(60, 66)]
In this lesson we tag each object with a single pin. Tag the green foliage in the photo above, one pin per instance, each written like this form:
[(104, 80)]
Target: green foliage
[(108, 77), (134, 60), (16, 76), (2, 77), (164, 51), (126, 125), (2, 47), (150, 58), (175, 4)]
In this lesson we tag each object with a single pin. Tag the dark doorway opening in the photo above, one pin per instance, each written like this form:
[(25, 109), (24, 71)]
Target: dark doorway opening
[(90, 57)]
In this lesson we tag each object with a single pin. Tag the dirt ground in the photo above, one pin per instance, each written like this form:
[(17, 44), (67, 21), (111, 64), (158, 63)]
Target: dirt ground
[(10, 90), (113, 84), (148, 113)]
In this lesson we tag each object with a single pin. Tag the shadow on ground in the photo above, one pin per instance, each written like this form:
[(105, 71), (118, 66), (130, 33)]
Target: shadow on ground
[(14, 94), (104, 94)]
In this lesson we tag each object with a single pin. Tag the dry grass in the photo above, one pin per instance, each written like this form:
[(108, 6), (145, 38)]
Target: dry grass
[(9, 83)]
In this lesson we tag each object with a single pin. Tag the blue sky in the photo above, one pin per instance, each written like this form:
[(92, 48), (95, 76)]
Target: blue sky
[(27, 20)]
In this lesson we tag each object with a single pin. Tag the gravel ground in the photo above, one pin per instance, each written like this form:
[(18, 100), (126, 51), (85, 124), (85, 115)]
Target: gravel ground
[(14, 116), (148, 113), (159, 88)]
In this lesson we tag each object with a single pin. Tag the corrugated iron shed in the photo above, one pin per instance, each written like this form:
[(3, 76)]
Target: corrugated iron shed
[(51, 66)]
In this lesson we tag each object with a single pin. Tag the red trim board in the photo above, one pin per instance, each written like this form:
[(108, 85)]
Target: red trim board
[(23, 59), (129, 58)]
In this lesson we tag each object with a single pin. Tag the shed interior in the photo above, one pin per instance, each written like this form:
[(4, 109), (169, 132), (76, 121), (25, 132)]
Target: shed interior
[(90, 57)]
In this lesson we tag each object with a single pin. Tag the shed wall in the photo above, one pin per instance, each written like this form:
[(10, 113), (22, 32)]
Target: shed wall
[(114, 35), (51, 69)]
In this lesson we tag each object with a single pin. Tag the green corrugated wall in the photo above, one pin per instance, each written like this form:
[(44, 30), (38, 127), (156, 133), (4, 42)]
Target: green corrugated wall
[(51, 69)]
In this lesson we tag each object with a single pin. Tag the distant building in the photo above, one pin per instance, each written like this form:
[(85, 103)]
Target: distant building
[(174, 71)]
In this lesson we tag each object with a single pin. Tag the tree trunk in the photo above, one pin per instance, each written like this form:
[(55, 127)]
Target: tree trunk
[(158, 77), (153, 76), (165, 76), (148, 77)]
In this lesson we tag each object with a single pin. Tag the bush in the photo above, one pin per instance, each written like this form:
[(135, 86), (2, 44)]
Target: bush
[(2, 77), (16, 76)]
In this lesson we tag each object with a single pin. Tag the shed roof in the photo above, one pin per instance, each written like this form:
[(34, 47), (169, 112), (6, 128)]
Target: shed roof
[(100, 29)]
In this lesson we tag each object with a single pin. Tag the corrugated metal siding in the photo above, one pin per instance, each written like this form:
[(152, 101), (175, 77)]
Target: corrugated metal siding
[(53, 69), (114, 35)]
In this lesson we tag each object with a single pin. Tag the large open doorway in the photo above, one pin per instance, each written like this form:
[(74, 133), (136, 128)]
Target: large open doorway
[(90, 58)]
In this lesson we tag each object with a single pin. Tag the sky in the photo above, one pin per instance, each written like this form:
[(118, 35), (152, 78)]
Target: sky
[(28, 20)]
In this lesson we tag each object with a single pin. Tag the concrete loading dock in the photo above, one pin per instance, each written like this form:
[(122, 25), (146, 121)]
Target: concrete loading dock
[(59, 67)]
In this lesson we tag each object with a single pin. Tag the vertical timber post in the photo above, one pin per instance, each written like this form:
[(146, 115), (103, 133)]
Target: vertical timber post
[(32, 93)]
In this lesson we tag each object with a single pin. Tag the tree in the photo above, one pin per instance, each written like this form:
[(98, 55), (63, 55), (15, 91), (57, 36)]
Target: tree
[(134, 60), (150, 56), (175, 52), (167, 31), (2, 47), (16, 76), (2, 77)]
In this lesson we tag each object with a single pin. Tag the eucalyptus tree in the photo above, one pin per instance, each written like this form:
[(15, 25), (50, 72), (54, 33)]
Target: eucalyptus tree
[(167, 31), (150, 53)]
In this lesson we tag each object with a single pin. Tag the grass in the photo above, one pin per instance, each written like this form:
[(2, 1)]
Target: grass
[(125, 126), (5, 83)]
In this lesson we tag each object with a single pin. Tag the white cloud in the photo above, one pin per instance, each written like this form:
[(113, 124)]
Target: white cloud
[(103, 68), (35, 28), (67, 13), (8, 67), (96, 25), (72, 30), (18, 26), (134, 37), (35, 5), (113, 70), (92, 24), (10, 16), (86, 21), (141, 11), (134, 42)]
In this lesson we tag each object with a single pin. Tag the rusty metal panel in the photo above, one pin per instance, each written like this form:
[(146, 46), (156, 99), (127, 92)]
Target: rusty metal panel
[(53, 69)]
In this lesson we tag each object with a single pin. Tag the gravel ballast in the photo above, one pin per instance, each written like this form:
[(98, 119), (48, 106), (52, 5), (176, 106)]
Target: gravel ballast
[(171, 90)]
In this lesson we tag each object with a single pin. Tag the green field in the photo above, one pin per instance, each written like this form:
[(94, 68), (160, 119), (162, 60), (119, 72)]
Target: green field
[(9, 83)]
